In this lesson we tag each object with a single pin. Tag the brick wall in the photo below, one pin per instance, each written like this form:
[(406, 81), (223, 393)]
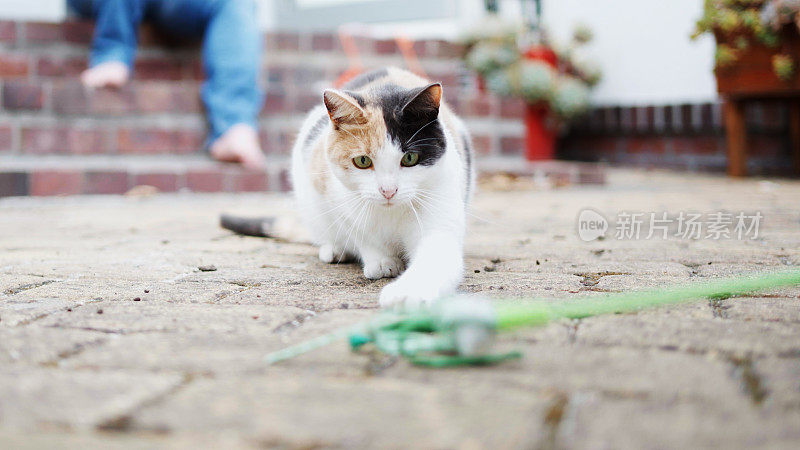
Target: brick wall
[(683, 137), (57, 137)]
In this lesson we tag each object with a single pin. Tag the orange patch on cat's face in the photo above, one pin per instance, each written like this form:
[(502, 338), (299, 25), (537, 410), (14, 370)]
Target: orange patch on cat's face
[(350, 141)]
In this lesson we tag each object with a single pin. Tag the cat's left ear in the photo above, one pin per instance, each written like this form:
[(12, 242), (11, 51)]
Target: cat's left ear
[(343, 108), (423, 103)]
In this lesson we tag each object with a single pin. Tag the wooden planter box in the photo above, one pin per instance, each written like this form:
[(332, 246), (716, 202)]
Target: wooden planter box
[(752, 72), (751, 77)]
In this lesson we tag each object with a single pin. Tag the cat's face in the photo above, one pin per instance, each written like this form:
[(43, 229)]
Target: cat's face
[(385, 147)]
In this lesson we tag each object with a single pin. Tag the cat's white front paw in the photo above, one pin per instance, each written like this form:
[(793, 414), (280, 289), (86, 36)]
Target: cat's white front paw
[(409, 294), (385, 267)]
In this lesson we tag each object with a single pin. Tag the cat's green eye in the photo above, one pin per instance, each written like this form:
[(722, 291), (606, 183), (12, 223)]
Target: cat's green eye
[(410, 159), (362, 162)]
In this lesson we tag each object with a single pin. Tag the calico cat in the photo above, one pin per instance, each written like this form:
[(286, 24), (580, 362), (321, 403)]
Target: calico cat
[(382, 173)]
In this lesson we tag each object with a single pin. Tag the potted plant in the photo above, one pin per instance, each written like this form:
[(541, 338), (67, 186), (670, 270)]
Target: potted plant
[(757, 44), (513, 61)]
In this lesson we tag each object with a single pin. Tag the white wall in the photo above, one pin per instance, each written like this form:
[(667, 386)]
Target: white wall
[(32, 9), (642, 46)]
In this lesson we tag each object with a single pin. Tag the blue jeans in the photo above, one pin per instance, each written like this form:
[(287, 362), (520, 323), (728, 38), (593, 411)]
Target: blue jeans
[(231, 47)]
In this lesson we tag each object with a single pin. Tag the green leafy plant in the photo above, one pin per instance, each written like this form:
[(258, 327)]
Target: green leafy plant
[(497, 51), (739, 24), (784, 67)]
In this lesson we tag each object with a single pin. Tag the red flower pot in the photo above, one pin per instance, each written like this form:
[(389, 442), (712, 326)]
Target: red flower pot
[(542, 53), (481, 84), (540, 138)]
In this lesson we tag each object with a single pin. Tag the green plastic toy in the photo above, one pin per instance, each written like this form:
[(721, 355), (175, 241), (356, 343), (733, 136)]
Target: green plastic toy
[(460, 330)]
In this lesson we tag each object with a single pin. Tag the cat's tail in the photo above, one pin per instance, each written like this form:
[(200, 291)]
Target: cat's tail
[(281, 228)]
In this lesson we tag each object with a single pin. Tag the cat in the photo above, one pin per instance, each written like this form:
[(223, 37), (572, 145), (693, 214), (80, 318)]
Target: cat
[(382, 173)]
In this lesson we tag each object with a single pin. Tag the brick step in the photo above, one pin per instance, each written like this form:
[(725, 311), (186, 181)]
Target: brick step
[(66, 98), (61, 50), (67, 62), (63, 117), (78, 33), (185, 134), (73, 175), (308, 70)]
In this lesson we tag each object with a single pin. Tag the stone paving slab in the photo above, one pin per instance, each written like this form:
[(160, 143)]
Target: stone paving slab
[(374, 412), (36, 398), (44, 346), (111, 337), (109, 440), (693, 328), (632, 424)]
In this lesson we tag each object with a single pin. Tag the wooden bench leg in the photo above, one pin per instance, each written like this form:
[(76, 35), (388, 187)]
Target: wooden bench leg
[(794, 131), (736, 134)]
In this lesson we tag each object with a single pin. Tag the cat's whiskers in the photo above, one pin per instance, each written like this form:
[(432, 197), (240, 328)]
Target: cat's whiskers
[(341, 219), (348, 132), (421, 140), (432, 196), (426, 139), (314, 206), (361, 212), (420, 129), (429, 208), (419, 222), (325, 215), (484, 219), (435, 196), (348, 202), (366, 220), (320, 173), (416, 146)]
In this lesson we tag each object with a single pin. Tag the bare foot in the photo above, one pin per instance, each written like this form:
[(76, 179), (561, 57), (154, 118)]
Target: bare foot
[(108, 74), (239, 144)]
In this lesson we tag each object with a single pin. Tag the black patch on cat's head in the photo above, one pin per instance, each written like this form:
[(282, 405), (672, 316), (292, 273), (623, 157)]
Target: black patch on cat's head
[(358, 97), (411, 117)]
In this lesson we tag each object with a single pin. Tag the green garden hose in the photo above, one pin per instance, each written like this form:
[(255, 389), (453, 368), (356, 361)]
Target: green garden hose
[(460, 330)]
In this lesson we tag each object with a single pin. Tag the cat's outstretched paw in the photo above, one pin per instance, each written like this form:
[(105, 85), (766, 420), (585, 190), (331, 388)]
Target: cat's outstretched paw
[(386, 267), (329, 254), (408, 294)]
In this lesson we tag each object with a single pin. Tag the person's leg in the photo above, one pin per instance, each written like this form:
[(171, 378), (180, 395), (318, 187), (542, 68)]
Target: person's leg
[(232, 61), (82, 8), (231, 92), (114, 40)]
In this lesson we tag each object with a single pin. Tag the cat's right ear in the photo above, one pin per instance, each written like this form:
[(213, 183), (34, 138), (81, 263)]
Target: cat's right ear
[(343, 109)]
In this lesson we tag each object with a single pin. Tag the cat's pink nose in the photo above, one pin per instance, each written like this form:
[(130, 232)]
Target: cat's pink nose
[(388, 193)]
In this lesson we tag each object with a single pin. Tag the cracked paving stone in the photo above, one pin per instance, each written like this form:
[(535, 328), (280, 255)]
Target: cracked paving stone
[(593, 421), (150, 317), (237, 345), (275, 409), (38, 398), (34, 304), (692, 328), (36, 344)]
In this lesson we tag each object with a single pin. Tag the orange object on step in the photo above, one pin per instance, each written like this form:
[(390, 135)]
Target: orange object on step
[(406, 47), (351, 51), (356, 66)]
